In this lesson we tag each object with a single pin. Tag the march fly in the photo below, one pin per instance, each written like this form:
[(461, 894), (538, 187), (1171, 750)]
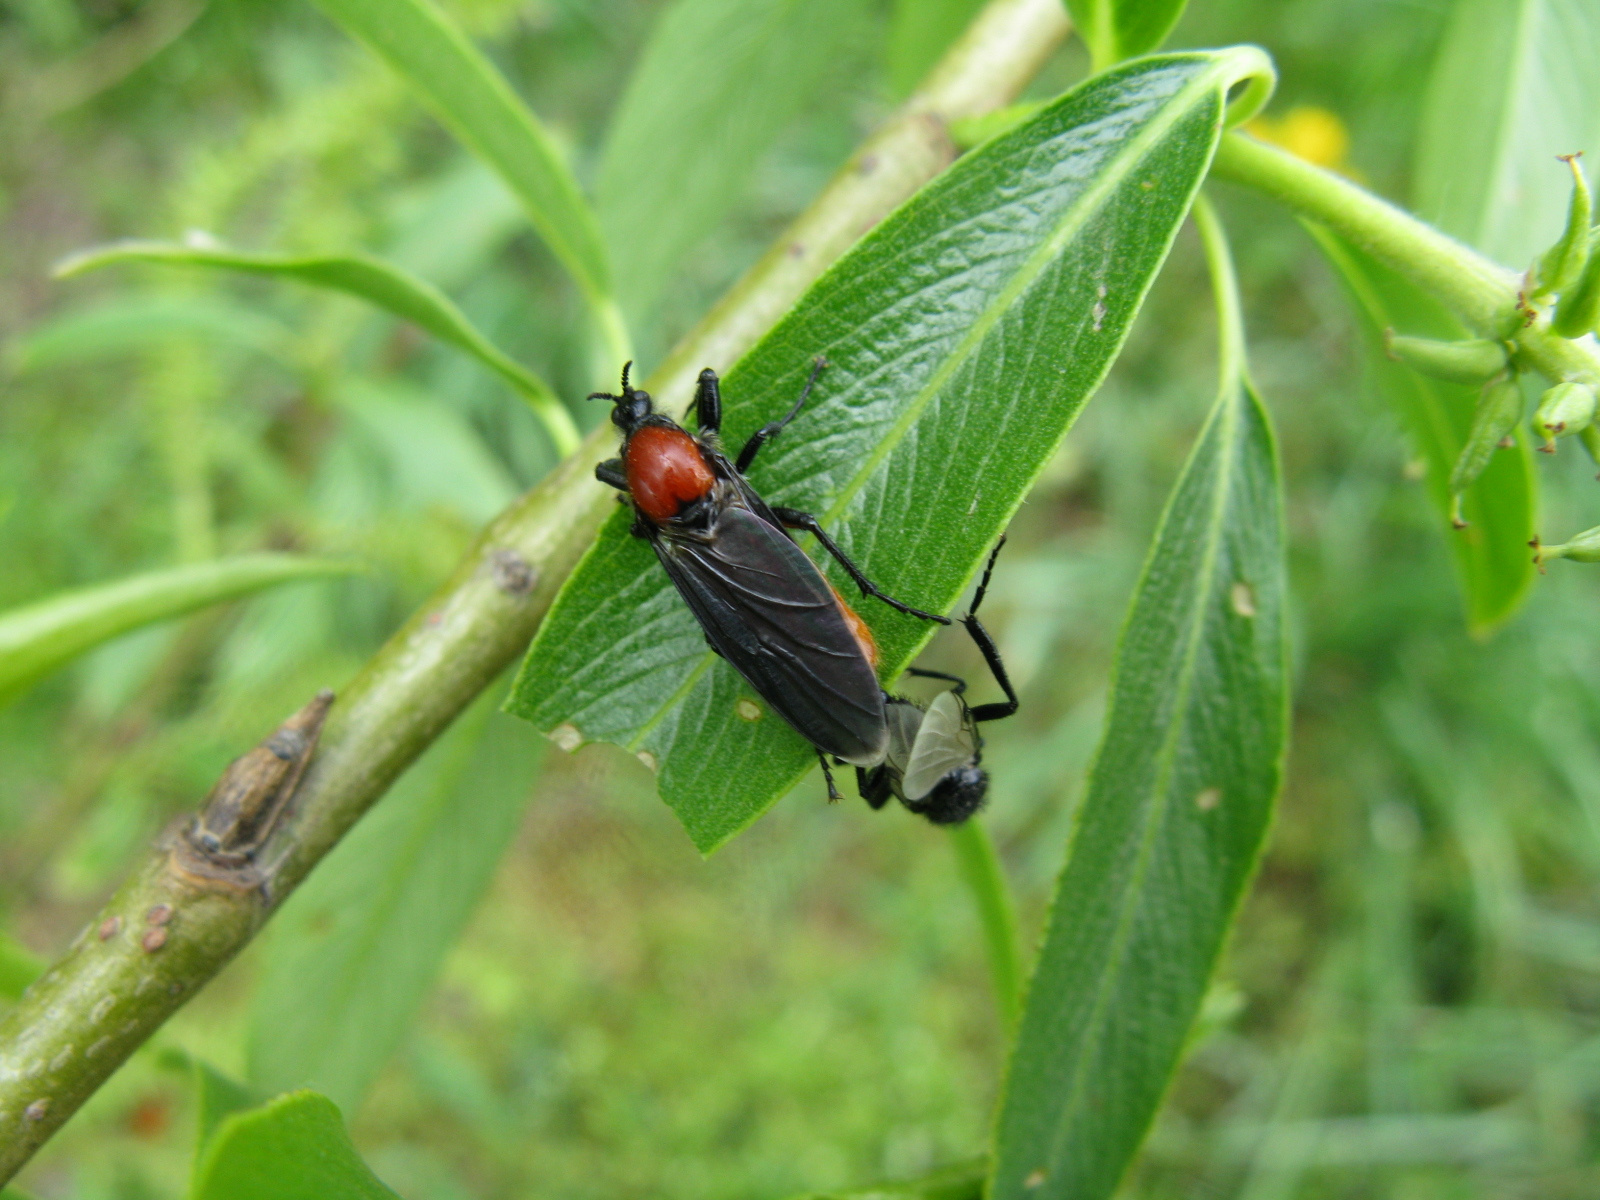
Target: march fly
[(761, 602)]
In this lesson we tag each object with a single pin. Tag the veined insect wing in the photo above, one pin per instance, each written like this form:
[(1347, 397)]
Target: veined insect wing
[(945, 742)]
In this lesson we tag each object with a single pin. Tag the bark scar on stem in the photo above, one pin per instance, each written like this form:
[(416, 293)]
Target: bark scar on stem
[(218, 849)]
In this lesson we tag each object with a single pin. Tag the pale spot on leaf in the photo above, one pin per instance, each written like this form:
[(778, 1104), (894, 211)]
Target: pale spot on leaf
[(1208, 799), (748, 709), (567, 737), (1243, 600)]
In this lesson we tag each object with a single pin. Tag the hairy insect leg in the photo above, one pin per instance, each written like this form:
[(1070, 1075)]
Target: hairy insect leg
[(772, 429), (873, 786), (611, 474), (795, 519), (827, 773), (708, 402), (983, 584), (960, 683), (991, 652)]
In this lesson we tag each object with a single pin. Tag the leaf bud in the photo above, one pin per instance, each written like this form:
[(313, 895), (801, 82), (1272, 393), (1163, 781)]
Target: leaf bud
[(1476, 360), (1584, 547), (1564, 410), (1579, 306), (1589, 435), (1560, 266), (1499, 409)]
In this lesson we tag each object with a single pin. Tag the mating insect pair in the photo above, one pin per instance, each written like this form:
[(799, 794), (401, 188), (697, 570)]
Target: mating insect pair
[(766, 608)]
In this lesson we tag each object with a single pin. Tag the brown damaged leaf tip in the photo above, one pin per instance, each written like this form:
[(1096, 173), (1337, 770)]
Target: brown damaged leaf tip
[(251, 796)]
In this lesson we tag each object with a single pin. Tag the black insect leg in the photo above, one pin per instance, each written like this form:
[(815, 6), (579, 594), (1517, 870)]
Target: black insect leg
[(795, 519), (991, 655), (611, 474), (986, 646), (960, 683), (708, 402), (983, 584), (827, 773), (772, 429), (873, 786)]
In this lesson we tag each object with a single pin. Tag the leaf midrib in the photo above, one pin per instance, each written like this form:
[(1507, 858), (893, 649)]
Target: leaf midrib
[(1160, 795), (1072, 221)]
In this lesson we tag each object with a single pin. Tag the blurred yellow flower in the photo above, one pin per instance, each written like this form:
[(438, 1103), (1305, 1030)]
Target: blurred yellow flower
[(1306, 131)]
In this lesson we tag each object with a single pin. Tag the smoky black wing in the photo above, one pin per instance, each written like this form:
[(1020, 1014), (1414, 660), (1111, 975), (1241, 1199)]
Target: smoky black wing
[(766, 608)]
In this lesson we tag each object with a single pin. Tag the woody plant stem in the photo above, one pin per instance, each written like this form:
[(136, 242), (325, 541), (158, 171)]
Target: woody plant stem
[(167, 930)]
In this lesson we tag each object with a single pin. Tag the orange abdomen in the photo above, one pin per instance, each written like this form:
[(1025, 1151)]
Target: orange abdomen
[(665, 471), (858, 628)]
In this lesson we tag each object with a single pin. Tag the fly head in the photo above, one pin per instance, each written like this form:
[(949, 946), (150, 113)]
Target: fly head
[(631, 407)]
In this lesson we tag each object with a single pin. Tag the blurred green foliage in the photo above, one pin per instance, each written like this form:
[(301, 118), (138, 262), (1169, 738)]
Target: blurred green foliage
[(1411, 1002)]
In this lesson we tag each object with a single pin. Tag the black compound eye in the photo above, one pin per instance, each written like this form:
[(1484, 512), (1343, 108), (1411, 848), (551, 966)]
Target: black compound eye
[(956, 797)]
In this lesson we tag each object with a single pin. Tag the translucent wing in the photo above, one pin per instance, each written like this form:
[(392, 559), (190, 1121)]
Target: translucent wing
[(945, 742), (766, 608)]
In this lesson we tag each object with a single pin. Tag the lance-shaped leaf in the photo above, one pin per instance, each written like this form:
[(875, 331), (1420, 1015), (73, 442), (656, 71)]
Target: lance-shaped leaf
[(1118, 29), (136, 322), (292, 1148), (470, 97), (40, 637), (690, 130), (1493, 562), (1514, 86), (1166, 840), (964, 335), (371, 279)]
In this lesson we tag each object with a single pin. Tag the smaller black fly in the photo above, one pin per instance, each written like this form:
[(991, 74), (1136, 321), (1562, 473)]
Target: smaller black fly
[(933, 759)]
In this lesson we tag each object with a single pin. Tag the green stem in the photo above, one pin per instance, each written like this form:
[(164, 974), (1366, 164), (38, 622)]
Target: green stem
[(1480, 292), (80, 1021), (985, 879), (1483, 294), (1225, 287)]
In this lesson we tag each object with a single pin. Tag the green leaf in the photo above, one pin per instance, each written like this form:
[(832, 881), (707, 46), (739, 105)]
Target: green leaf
[(920, 31), (1166, 840), (217, 1097), (960, 1181), (353, 954), (19, 967), (690, 129), (470, 97), (1118, 29), (133, 323), (965, 333), (38, 638), (1513, 86), (292, 1148), (371, 279), (1493, 562)]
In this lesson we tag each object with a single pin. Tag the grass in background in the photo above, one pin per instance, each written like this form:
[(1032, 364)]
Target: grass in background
[(1412, 997)]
